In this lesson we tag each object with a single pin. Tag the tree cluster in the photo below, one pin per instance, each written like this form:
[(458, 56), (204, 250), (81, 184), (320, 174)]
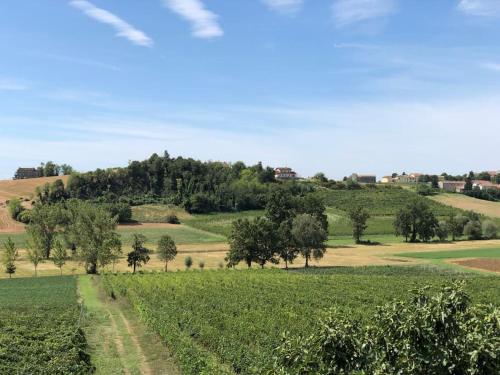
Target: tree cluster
[(291, 226)]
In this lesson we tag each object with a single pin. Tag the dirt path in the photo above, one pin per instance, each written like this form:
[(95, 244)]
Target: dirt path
[(119, 343)]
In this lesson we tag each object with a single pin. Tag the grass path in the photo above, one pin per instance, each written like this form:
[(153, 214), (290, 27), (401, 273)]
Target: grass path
[(119, 343)]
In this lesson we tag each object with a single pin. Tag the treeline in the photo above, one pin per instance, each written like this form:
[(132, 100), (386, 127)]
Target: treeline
[(199, 187)]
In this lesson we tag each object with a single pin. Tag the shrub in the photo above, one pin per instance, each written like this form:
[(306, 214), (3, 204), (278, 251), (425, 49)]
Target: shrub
[(490, 229), (188, 262), (172, 219), (442, 230), (440, 334), (24, 216), (473, 230), (15, 208), (201, 264)]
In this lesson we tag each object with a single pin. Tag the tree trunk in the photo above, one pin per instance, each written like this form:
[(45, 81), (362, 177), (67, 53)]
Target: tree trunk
[(60, 269), (134, 267), (249, 263), (92, 269), (307, 262), (286, 264), (166, 266), (35, 271)]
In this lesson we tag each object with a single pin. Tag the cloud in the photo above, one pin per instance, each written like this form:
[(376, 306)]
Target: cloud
[(491, 66), (347, 12), (485, 8), (361, 46), (123, 29), (284, 6), (203, 22)]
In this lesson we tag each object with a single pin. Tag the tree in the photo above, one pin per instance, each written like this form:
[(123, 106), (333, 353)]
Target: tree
[(280, 206), (253, 241), (66, 169), (59, 254), (473, 230), (315, 206), (358, 216), (9, 256), (50, 169), (309, 237), (43, 226), (456, 225), (416, 219), (403, 224), (140, 254), (286, 247), (92, 231), (188, 262), (490, 229), (167, 250), (442, 230), (35, 253)]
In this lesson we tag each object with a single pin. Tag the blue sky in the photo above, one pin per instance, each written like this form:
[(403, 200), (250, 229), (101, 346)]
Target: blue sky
[(338, 86)]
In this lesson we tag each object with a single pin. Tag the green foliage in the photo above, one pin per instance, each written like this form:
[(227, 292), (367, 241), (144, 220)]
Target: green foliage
[(188, 262), (59, 255), (140, 254), (416, 219), (172, 219), (215, 321), (490, 229), (167, 250), (9, 256), (358, 217), (473, 230), (44, 225), (40, 328), (15, 208), (442, 230), (36, 253), (429, 334), (425, 190), (309, 237)]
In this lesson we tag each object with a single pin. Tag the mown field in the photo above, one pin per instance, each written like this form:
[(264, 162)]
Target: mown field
[(455, 254), (230, 321), (40, 327)]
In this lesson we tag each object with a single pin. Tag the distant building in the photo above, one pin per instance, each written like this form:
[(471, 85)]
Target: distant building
[(24, 173), (452, 186), (284, 173), (364, 178), (387, 180), (483, 185), (411, 178)]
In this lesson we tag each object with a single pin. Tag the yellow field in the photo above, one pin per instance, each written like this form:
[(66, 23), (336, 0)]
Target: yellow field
[(213, 255), (23, 189), (491, 209)]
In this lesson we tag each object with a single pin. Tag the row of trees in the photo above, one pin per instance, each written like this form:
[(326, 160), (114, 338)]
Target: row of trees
[(417, 221), (291, 226)]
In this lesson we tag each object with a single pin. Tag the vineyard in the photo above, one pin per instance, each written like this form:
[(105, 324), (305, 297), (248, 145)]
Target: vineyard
[(40, 328), (231, 321)]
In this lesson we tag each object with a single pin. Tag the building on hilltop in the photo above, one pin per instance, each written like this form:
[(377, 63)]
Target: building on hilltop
[(284, 173), (387, 180), (411, 178), (484, 185), (364, 178), (24, 173)]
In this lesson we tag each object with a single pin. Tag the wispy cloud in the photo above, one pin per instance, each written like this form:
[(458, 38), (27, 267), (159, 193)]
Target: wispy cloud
[(203, 22), (284, 6), (123, 29), (355, 46), (346, 12), (12, 85), (486, 8), (491, 66)]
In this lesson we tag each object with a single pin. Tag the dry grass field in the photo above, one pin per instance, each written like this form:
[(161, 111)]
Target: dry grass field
[(491, 209), (23, 189)]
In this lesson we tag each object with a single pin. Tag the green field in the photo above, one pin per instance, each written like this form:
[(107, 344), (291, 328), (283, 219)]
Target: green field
[(181, 234), (454, 254), (220, 223), (230, 321), (40, 327)]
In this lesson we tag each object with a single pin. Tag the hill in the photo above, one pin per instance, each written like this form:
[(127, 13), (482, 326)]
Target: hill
[(23, 189), (488, 208)]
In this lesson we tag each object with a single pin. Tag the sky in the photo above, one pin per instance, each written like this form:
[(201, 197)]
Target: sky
[(337, 86)]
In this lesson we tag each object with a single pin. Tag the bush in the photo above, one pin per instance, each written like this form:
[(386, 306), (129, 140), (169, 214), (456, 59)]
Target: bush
[(473, 230), (15, 208), (24, 216), (442, 230), (201, 264), (121, 210), (188, 262), (490, 229), (440, 334), (172, 219)]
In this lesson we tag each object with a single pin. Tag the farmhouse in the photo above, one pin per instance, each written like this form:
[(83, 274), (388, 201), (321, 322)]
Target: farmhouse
[(483, 185), (452, 186), (284, 173), (24, 173), (411, 178), (387, 180), (364, 178)]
